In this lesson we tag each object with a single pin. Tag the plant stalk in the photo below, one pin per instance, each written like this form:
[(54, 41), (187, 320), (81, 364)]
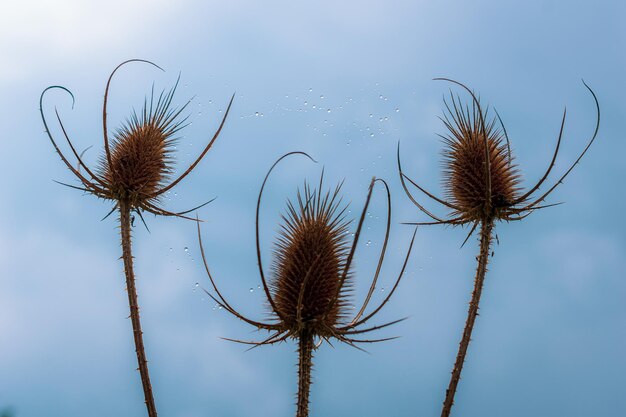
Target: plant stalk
[(125, 225), (482, 258), (305, 351)]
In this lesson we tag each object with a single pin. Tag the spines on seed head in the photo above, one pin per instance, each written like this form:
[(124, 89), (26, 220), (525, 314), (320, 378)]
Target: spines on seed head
[(141, 155), (310, 257), (475, 194)]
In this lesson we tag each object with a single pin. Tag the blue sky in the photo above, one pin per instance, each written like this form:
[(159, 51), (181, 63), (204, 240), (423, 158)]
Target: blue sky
[(344, 82)]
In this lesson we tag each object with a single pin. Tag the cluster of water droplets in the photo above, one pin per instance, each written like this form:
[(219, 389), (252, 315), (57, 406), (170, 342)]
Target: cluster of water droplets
[(335, 116)]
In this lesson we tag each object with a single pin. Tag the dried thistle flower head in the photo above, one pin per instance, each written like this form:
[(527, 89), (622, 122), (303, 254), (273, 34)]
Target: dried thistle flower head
[(310, 257), (141, 155), (311, 281), (468, 180), (138, 161), (480, 179)]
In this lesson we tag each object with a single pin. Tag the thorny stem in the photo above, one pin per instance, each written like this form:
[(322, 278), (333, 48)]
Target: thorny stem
[(482, 258), (127, 256), (305, 351)]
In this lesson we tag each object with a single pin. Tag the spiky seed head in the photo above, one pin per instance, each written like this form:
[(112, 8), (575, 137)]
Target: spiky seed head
[(141, 154), (465, 167), (310, 257)]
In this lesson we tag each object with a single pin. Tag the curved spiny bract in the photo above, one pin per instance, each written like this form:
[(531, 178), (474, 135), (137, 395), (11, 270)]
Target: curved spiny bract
[(309, 288), (133, 174), (482, 186)]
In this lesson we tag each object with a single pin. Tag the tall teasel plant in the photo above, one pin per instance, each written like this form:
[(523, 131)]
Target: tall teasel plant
[(482, 186), (134, 174), (311, 278)]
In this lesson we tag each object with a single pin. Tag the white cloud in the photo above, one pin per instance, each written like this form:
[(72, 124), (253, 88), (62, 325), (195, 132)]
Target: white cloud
[(44, 31)]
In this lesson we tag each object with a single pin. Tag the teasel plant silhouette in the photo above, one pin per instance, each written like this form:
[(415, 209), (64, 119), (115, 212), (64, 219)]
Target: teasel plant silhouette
[(308, 293), (134, 172), (482, 186)]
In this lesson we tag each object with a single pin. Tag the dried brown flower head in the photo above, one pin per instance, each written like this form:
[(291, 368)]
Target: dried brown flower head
[(141, 155), (138, 161), (466, 181), (310, 257), (308, 292), (481, 182)]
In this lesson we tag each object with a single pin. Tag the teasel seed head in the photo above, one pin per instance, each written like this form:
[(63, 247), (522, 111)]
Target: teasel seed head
[(138, 160), (310, 257), (479, 177), (481, 182), (141, 154), (308, 292)]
